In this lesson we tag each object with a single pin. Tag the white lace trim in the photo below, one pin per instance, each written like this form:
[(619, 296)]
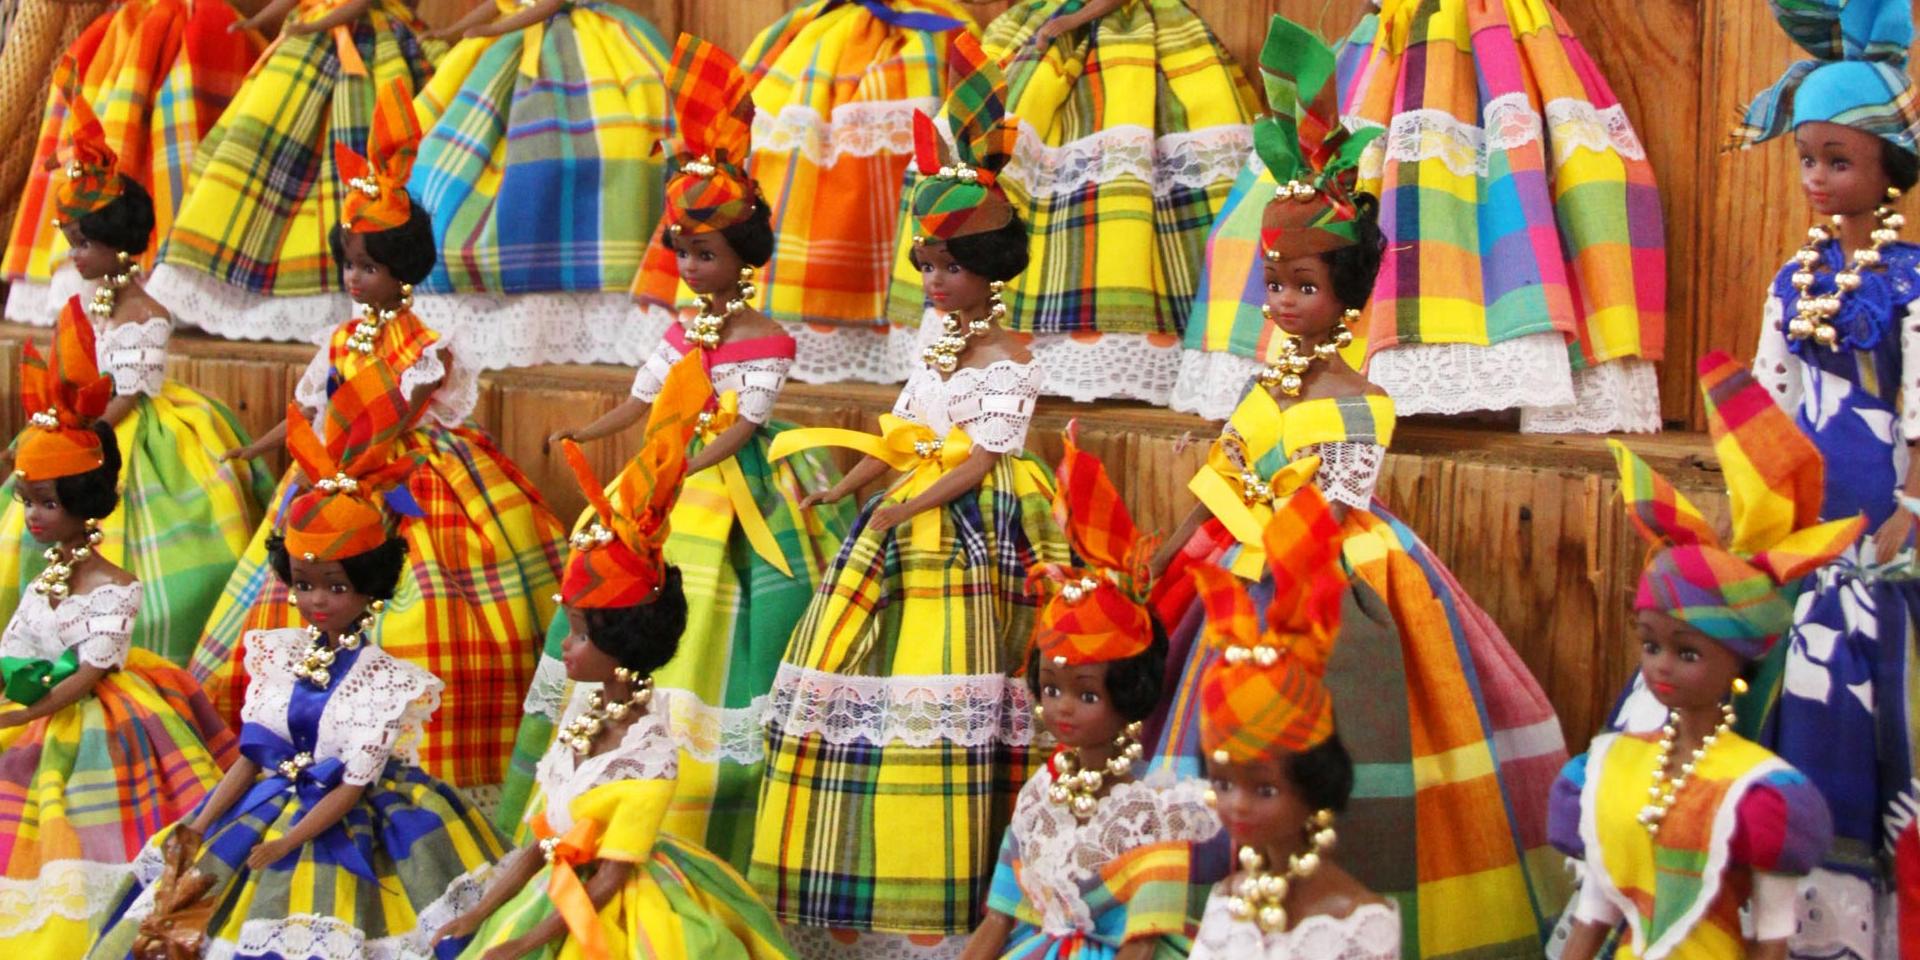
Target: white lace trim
[(1774, 365), (755, 382), (462, 896), (237, 313), (307, 936), (97, 625), (39, 302), (134, 354), (1348, 471), (547, 693), (375, 713), (1453, 378), (76, 890), (1211, 382), (1193, 160), (860, 129), (521, 330), (1619, 396), (837, 354), (966, 710), (646, 752), (1127, 366), (1369, 933), (1508, 122), (819, 943), (713, 734), (993, 404)]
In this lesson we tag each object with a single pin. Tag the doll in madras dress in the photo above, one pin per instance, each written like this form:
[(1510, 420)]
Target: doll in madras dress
[(326, 838), (1693, 836), (598, 875), (1098, 862), (101, 743)]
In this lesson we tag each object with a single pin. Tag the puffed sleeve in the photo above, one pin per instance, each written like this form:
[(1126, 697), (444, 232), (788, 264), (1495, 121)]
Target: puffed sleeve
[(311, 390), (652, 374), (1777, 369), (759, 384), (108, 624), (629, 812), (1782, 826), (386, 702), (1563, 809)]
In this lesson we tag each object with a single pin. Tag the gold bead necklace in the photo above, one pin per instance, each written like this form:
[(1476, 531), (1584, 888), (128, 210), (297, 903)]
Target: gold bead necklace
[(581, 730), (944, 354), (54, 582), (1077, 789), (1288, 371), (106, 296), (1260, 897), (1813, 318), (367, 329), (1665, 791)]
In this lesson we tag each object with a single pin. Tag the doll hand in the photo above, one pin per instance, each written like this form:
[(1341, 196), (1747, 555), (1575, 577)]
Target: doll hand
[(461, 926), (554, 438), (889, 516), (819, 497), (238, 453), (1892, 536), (268, 853), (1051, 29), (298, 29)]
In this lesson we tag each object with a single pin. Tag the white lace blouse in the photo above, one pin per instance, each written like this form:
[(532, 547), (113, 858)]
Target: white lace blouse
[(374, 713), (451, 404), (756, 382), (645, 752), (1369, 933), (135, 355), (97, 625), (993, 404)]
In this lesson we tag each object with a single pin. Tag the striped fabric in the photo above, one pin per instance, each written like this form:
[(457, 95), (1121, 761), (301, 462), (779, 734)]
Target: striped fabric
[(265, 188), (1496, 230), (1857, 79), (158, 73), (1460, 767), (538, 167), (1147, 893), (892, 627), (83, 789), (39, 33), (184, 518), (837, 85)]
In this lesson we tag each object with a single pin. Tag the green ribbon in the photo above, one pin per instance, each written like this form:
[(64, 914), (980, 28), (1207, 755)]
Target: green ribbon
[(29, 680)]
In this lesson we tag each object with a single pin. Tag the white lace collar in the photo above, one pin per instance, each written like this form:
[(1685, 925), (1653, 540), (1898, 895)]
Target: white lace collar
[(645, 752)]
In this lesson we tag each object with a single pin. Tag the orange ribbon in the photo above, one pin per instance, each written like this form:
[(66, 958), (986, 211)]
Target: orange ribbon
[(350, 62), (565, 852)]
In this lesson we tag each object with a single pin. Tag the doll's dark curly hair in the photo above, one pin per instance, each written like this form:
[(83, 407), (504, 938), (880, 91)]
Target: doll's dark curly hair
[(94, 494), (375, 573), (1353, 269), (126, 224), (407, 251), (643, 638), (1323, 775), (996, 254)]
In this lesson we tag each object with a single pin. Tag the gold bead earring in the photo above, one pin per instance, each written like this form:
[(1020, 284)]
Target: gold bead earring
[(1893, 193), (377, 606), (1740, 686)]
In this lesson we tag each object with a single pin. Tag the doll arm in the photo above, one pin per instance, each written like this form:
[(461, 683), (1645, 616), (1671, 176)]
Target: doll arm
[(232, 787), (608, 877), (518, 20), (481, 13), (270, 440), (311, 824), (989, 939), (1190, 525), (1066, 23), (951, 485), (341, 15), (627, 413), (271, 13), (723, 446), (64, 694), (866, 471), (515, 870)]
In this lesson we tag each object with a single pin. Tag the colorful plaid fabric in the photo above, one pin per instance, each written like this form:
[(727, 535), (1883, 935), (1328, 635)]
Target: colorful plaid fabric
[(1303, 144), (62, 400), (887, 619), (266, 184), (82, 790), (538, 168), (1492, 236), (959, 192), (836, 84), (1740, 593), (339, 510), (1111, 252), (713, 132), (1098, 610), (376, 183), (1858, 77), (157, 73), (1744, 811), (37, 37), (89, 171)]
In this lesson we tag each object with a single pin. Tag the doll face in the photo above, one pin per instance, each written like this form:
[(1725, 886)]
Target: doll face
[(326, 598), (366, 279), (1840, 168), (90, 258), (1078, 710), (1300, 296), (47, 520), (586, 663), (1683, 667), (1257, 802), (707, 264), (950, 287)]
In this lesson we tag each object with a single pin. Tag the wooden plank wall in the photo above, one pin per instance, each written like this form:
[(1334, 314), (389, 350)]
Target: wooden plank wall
[(1682, 68)]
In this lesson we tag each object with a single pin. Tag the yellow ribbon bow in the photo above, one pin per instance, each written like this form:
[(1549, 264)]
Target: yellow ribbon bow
[(565, 852), (903, 445), (746, 511), (1243, 501)]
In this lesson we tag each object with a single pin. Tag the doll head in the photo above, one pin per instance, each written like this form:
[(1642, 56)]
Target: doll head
[(67, 462), (958, 274), (1090, 704), (378, 267), (334, 595), (715, 262), (641, 638), (104, 241), (1265, 803), (1309, 294), (384, 241), (1847, 171), (1683, 667), (715, 222), (58, 510)]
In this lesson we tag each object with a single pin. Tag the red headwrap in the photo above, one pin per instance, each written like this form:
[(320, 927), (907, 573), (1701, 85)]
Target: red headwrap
[(1098, 613), (376, 196), (62, 402), (339, 511), (89, 170), (709, 188)]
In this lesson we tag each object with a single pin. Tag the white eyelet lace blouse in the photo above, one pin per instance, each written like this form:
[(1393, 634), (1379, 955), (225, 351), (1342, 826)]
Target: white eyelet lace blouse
[(374, 713), (97, 625), (992, 404)]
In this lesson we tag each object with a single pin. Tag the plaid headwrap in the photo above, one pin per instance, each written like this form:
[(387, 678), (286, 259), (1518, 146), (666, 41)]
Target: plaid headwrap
[(1858, 77), (708, 188), (616, 559), (376, 196), (1314, 158), (341, 505), (1262, 696), (1740, 594), (959, 192), (62, 401), (1098, 613), (89, 170)]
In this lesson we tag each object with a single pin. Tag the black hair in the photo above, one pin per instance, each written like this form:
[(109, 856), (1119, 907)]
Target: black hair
[(1901, 164), (94, 494), (1323, 775), (996, 254), (1353, 269), (751, 239), (375, 573), (643, 637), (126, 224), (1134, 684), (407, 251)]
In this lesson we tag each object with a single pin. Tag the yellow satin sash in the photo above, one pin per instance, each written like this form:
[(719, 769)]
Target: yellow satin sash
[(903, 445)]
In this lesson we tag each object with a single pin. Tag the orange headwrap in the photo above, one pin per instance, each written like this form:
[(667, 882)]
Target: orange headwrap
[(376, 196), (62, 401), (1098, 614), (616, 559), (89, 170), (339, 511), (1262, 696), (709, 188)]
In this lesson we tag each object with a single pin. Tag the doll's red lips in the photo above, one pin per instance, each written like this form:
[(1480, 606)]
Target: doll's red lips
[(1662, 688)]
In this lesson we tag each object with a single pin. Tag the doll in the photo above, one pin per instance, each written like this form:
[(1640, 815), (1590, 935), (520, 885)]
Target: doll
[(101, 743)]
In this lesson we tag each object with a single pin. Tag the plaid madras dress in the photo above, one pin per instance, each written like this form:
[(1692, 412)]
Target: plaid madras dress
[(356, 890), (539, 173), (248, 253), (158, 73), (1456, 829), (1133, 128), (39, 32), (898, 737), (1526, 258), (740, 607), (185, 515), (82, 789), (480, 576)]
